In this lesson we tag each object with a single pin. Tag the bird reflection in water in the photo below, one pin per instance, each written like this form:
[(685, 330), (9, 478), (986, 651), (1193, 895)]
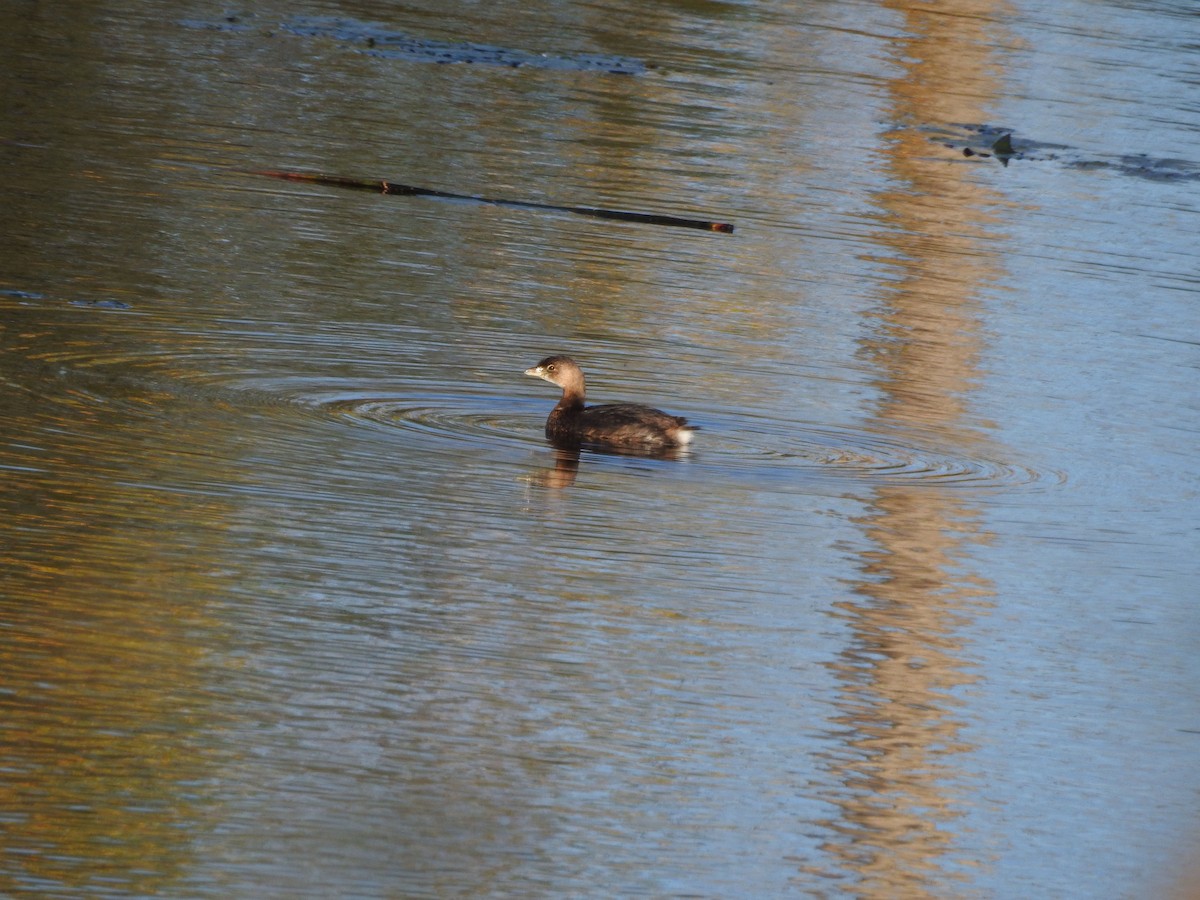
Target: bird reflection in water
[(567, 457)]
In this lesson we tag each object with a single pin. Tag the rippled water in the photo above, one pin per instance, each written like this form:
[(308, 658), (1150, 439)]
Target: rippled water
[(295, 600)]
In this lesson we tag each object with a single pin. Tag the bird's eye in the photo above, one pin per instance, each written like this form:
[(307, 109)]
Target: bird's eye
[(550, 368)]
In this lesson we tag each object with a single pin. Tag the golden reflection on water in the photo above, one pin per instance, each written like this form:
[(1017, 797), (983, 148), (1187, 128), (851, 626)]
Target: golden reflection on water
[(899, 772), (104, 669)]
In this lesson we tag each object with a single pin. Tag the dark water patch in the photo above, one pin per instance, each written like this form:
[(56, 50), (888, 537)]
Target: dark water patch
[(376, 40), (984, 142)]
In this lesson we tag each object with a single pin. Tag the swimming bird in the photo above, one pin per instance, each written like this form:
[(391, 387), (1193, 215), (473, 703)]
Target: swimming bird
[(622, 427)]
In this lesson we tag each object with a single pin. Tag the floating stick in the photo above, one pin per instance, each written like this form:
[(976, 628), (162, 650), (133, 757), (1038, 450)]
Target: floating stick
[(408, 190)]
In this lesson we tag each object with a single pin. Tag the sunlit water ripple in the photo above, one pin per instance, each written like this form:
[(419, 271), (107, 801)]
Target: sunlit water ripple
[(732, 445)]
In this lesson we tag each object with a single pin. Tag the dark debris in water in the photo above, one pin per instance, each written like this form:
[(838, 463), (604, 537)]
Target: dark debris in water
[(33, 296), (994, 142), (101, 304), (376, 40), (230, 22), (21, 295), (1140, 165)]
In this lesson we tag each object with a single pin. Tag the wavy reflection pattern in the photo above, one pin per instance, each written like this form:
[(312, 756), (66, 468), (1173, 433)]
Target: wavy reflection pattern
[(899, 772)]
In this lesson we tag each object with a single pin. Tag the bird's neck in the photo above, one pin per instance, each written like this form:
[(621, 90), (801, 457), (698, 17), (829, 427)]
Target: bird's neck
[(571, 401)]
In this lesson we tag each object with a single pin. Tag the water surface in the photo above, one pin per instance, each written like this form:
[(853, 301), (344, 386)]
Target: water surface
[(296, 600)]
